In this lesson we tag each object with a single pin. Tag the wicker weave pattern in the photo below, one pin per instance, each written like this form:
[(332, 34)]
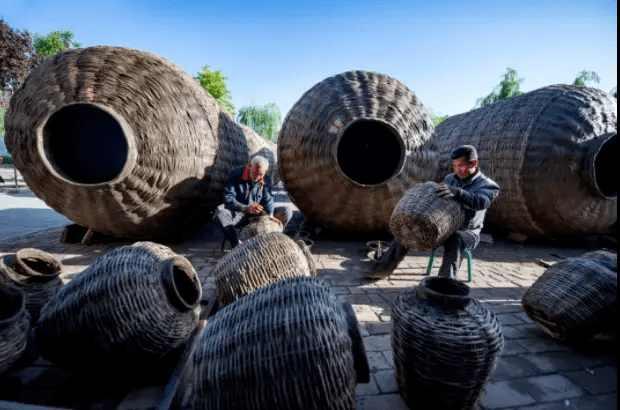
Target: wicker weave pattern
[(258, 262), (285, 346), (182, 145), (259, 226), (118, 310), (308, 142), (422, 219), (539, 147), (574, 299), (443, 355), (14, 325)]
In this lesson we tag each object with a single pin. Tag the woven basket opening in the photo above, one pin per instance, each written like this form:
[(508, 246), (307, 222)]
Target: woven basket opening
[(85, 143), (11, 301), (370, 152), (605, 166), (186, 288), (42, 266), (447, 287)]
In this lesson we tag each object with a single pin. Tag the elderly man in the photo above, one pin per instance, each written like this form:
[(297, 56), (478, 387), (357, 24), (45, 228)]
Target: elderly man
[(476, 192), (248, 193)]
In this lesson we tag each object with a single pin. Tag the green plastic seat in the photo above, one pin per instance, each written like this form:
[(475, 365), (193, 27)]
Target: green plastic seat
[(431, 262)]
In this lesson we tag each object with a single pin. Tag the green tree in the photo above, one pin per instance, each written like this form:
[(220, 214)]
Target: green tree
[(2, 111), (17, 56), (508, 88), (264, 120), (215, 84), (437, 119), (55, 42), (586, 77)]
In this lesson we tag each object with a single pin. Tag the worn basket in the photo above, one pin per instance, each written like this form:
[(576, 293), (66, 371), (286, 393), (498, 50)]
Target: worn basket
[(128, 309), (287, 346), (122, 141), (446, 345), (422, 219), (553, 152), (15, 330), (260, 225), (258, 262), (574, 299), (349, 149)]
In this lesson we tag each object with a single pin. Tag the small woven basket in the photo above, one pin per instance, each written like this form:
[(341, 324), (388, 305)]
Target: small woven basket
[(574, 299), (14, 326), (286, 346), (260, 225), (422, 219), (258, 262), (445, 343), (129, 308)]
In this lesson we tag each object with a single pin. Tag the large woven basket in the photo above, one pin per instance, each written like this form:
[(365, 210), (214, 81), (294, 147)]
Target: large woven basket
[(129, 308), (348, 150), (553, 152), (14, 326), (36, 273), (574, 299), (422, 219), (286, 346), (259, 262), (445, 343), (260, 225), (122, 141)]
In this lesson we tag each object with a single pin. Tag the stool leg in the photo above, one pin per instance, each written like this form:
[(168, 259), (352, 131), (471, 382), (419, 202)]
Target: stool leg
[(431, 262), (468, 253)]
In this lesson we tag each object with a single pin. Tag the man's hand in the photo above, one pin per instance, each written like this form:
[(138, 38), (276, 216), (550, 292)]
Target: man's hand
[(444, 191), (274, 219), (255, 209)]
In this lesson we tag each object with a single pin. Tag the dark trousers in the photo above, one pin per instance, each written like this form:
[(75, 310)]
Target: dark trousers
[(228, 220), (454, 251)]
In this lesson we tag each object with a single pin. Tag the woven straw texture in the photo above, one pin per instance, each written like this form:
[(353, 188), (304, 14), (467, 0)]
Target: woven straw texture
[(180, 143), (575, 299), (445, 344), (258, 262), (542, 148), (422, 219), (34, 272), (14, 325), (285, 346), (133, 305), (259, 145), (310, 139), (258, 226)]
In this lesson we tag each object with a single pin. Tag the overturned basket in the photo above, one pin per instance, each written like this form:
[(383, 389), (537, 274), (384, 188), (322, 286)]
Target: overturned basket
[(259, 262), (260, 225), (290, 345)]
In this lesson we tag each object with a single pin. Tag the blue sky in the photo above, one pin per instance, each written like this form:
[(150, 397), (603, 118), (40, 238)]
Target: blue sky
[(449, 53)]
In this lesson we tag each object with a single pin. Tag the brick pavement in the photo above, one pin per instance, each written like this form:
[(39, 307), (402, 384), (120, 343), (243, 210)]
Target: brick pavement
[(535, 372)]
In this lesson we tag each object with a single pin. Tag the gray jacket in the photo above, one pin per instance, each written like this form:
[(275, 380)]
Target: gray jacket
[(476, 194)]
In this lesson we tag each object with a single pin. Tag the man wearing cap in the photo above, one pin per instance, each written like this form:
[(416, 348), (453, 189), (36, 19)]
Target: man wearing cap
[(475, 192)]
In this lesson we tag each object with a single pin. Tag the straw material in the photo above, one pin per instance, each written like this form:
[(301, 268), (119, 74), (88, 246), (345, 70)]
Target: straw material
[(131, 307), (258, 226), (180, 143), (258, 262), (285, 346), (546, 150), (445, 343), (575, 298), (310, 138), (14, 325), (34, 272), (422, 219)]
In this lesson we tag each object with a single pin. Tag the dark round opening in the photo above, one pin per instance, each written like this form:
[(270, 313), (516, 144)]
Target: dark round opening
[(187, 289), (604, 167), (42, 266), (86, 144), (369, 152), (10, 302), (448, 287)]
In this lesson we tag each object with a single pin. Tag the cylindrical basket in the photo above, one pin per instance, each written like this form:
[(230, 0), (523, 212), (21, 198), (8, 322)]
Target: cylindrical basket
[(122, 141), (15, 330), (260, 225), (422, 219), (286, 346), (129, 308), (446, 345), (553, 152), (258, 262), (574, 299), (348, 150)]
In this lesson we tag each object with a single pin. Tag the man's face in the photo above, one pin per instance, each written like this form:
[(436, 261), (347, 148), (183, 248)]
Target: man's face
[(462, 168), (256, 172)]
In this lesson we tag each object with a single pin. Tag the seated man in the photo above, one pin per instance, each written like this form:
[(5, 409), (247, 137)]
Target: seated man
[(476, 192), (248, 193)]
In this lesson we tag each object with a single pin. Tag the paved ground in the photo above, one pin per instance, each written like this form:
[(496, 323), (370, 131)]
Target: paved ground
[(534, 371)]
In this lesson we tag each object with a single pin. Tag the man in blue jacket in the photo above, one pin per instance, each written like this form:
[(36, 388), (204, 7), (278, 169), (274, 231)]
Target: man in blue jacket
[(247, 193), (476, 192)]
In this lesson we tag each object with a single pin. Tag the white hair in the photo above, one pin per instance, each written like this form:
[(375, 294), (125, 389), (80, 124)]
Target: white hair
[(260, 161)]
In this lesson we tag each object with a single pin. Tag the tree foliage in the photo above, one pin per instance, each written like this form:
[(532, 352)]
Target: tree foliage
[(437, 119), (508, 88), (264, 120), (17, 56), (55, 42), (215, 83), (586, 77)]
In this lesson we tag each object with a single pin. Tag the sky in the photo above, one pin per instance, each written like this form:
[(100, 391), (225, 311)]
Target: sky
[(449, 53)]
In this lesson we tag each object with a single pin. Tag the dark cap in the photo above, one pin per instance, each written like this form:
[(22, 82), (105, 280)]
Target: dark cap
[(467, 151)]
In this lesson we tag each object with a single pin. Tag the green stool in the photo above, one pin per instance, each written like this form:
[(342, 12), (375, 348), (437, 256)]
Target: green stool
[(429, 269)]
